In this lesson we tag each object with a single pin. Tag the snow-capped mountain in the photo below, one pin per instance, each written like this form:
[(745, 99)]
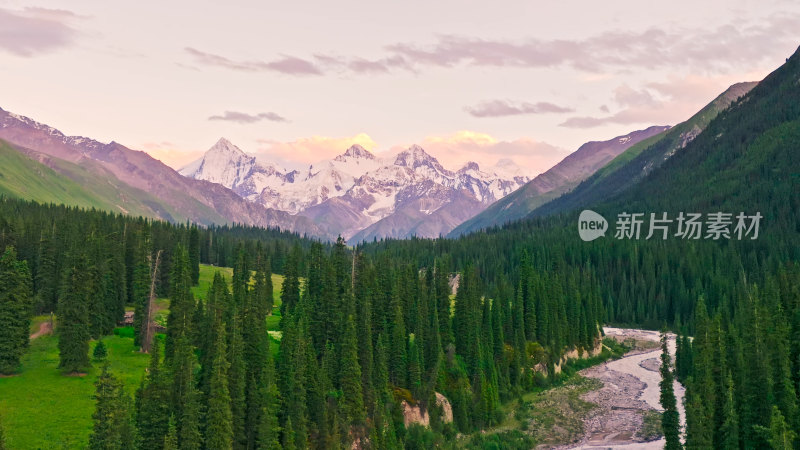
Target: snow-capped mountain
[(355, 190), (145, 184)]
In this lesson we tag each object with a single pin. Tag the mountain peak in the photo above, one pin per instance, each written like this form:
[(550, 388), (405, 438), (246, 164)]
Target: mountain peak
[(355, 151), (414, 156), (225, 146)]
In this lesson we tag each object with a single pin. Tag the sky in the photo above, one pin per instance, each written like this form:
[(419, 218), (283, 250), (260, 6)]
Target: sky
[(298, 82)]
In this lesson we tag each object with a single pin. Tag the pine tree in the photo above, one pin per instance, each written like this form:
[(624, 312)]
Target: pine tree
[(219, 431), (112, 421), (194, 254), (189, 436), (268, 430), (290, 290), (398, 348), (73, 316), (140, 283), (779, 434), (171, 439), (16, 304), (730, 424), (153, 402), (47, 274), (100, 352), (670, 423), (182, 368), (181, 305), (237, 382), (350, 376), (442, 294)]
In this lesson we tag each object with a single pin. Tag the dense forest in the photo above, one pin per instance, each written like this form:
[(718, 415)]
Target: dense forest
[(362, 333)]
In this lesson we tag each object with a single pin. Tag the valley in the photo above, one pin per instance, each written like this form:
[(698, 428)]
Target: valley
[(424, 227)]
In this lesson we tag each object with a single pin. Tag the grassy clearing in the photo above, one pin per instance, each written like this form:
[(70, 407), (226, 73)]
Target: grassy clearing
[(42, 408)]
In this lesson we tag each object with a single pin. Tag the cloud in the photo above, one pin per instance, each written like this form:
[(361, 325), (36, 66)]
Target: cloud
[(456, 149), (703, 49), (665, 102), (288, 65), (243, 118), (35, 31), (359, 65), (312, 149), (502, 108), (700, 49)]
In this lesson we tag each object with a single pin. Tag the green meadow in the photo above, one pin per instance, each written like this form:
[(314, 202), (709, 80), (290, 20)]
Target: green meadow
[(43, 409)]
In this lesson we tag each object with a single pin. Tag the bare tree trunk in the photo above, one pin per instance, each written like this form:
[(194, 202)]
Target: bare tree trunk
[(148, 325)]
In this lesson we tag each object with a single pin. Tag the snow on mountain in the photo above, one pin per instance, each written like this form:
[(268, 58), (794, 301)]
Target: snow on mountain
[(356, 189)]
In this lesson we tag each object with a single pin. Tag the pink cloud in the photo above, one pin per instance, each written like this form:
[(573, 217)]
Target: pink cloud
[(503, 108), (701, 49), (660, 103), (35, 31), (288, 65), (244, 118)]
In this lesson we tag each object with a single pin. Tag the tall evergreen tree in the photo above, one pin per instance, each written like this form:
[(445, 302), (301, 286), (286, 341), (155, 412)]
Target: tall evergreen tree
[(189, 435), (73, 315), (16, 304), (112, 419), (153, 402), (140, 283), (194, 253), (181, 305), (670, 423), (219, 429), (290, 290)]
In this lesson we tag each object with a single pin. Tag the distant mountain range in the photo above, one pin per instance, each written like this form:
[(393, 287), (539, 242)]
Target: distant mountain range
[(114, 177), (356, 194), (361, 196), (630, 167), (559, 179)]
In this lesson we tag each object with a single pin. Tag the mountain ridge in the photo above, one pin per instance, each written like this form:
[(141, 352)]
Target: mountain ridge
[(560, 178), (356, 189), (199, 201)]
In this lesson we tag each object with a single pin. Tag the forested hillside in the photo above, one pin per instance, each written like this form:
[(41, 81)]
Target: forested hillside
[(364, 336), (630, 167)]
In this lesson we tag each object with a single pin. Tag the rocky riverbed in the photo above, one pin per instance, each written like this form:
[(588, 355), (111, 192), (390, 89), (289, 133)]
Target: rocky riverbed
[(629, 394)]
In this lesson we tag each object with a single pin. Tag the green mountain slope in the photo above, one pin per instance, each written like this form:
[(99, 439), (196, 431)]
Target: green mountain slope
[(631, 166), (747, 159), (561, 178), (33, 176)]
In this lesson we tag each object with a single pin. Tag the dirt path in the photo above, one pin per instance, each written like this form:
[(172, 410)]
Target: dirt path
[(630, 388), (44, 328)]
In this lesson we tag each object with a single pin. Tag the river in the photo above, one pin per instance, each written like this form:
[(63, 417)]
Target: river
[(630, 386)]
